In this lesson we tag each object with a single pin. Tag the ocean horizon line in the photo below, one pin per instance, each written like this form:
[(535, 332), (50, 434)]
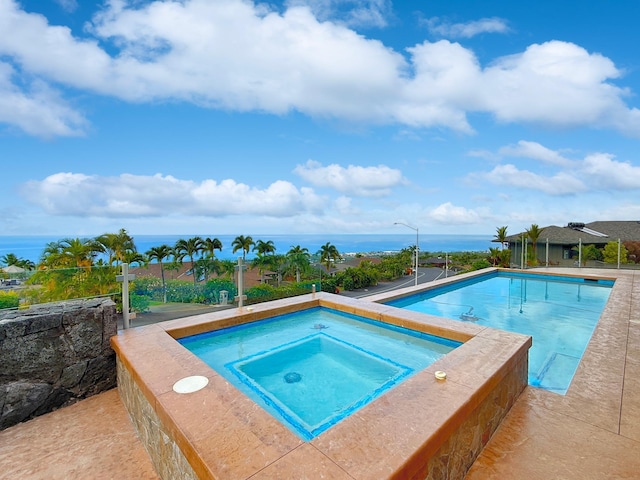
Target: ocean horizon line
[(31, 247)]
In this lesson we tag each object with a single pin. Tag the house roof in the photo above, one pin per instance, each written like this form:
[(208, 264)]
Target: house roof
[(251, 275), (601, 232), (436, 261), (350, 262)]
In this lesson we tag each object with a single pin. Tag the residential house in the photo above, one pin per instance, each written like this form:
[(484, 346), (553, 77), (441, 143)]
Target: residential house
[(559, 245)]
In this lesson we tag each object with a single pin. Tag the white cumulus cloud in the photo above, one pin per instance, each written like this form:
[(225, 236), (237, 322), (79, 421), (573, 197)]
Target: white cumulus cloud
[(354, 180), (596, 172), (450, 214), (244, 56), (127, 196), (535, 151), (562, 183), (606, 173), (37, 109), (556, 84)]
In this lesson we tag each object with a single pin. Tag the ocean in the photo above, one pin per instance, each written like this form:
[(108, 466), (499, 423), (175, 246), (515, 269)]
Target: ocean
[(32, 247)]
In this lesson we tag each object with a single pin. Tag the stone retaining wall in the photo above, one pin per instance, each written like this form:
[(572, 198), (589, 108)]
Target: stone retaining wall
[(54, 355)]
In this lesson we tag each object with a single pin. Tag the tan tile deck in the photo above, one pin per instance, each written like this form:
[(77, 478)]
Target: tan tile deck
[(591, 433)]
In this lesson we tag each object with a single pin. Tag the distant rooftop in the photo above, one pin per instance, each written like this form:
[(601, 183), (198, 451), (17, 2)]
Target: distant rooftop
[(595, 232)]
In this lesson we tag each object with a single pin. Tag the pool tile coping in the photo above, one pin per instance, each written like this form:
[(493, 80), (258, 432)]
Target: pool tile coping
[(214, 448)]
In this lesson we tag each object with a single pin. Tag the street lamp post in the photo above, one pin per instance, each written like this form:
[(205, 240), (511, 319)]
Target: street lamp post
[(417, 247)]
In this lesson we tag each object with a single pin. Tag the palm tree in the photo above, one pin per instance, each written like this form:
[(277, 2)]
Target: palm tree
[(159, 254), (328, 254), (278, 265), (131, 257), (11, 259), (210, 245), (242, 243), (189, 248), (209, 264), (264, 248), (65, 270), (299, 258), (533, 233), (226, 268), (494, 256), (117, 245), (72, 252), (262, 263), (263, 260), (501, 236)]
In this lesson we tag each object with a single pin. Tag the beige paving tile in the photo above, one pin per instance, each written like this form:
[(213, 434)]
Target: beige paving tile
[(630, 414), (92, 439), (303, 463), (536, 443)]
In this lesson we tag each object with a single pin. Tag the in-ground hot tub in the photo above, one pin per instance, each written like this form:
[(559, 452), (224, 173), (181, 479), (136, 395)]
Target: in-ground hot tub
[(315, 367), (417, 429)]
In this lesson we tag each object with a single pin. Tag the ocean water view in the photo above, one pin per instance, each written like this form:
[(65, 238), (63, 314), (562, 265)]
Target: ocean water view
[(31, 247)]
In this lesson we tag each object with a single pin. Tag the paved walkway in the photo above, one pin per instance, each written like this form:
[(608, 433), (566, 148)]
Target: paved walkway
[(92, 439)]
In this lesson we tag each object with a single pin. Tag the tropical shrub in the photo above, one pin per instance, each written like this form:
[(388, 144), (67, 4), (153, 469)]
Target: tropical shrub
[(139, 303), (329, 285), (150, 287), (358, 277), (480, 264), (504, 259), (9, 300), (213, 287), (590, 252), (390, 268), (610, 253), (70, 283)]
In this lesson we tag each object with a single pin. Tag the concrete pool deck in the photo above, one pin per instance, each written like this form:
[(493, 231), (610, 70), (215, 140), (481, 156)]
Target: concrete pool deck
[(592, 432)]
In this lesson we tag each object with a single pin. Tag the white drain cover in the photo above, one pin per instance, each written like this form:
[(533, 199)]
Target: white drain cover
[(190, 384)]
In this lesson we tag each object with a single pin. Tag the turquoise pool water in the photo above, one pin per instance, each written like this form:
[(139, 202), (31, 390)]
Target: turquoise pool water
[(311, 369), (560, 314)]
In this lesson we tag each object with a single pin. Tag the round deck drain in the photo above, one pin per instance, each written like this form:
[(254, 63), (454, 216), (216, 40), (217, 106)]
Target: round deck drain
[(292, 377), (190, 384)]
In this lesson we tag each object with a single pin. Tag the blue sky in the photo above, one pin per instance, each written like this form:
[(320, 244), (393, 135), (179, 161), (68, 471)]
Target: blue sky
[(235, 117)]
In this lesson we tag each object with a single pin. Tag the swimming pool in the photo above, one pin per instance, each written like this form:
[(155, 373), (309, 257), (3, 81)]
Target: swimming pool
[(560, 313), (313, 368)]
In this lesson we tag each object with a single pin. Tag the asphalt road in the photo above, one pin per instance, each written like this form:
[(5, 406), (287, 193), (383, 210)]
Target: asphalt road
[(425, 275)]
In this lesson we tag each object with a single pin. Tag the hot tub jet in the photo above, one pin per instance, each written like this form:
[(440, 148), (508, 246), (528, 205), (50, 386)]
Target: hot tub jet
[(292, 377)]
